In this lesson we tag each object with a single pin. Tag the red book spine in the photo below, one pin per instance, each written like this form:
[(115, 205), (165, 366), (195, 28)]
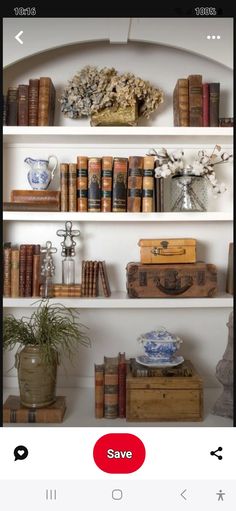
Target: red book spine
[(29, 270), (205, 104), (121, 385), (22, 270)]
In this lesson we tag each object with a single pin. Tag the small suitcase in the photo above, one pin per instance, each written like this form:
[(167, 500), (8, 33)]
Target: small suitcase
[(164, 251), (171, 280)]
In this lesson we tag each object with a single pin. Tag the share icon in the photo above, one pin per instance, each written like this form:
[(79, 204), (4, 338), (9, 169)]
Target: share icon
[(214, 453)]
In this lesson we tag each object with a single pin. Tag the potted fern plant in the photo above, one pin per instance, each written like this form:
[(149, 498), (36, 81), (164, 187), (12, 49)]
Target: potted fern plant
[(52, 331)]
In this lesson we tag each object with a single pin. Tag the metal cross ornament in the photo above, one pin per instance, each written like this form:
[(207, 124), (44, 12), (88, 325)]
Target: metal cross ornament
[(68, 234), (47, 267)]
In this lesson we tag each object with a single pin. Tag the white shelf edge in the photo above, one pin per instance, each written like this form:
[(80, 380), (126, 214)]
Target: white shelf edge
[(114, 131), (120, 300), (42, 216)]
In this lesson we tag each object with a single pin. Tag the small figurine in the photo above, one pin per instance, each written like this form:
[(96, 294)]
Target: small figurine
[(47, 269)]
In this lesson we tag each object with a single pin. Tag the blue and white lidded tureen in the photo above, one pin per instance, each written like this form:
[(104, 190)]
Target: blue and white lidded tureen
[(160, 344)]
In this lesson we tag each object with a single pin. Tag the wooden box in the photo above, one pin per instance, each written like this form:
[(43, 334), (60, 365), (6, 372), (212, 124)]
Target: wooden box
[(164, 398), (164, 251), (171, 280)]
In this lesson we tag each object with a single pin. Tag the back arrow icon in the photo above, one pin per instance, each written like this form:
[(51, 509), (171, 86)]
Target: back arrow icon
[(18, 37), (182, 494)]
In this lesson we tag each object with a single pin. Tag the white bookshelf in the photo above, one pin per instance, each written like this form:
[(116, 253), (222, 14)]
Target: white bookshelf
[(120, 300), (115, 323), (34, 216)]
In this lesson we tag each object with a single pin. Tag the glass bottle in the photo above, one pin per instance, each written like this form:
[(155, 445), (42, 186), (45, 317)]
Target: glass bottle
[(68, 268)]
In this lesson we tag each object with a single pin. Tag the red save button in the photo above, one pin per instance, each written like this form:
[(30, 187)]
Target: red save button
[(119, 453)]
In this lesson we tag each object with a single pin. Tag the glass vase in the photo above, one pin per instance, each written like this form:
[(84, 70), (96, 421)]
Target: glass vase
[(188, 193)]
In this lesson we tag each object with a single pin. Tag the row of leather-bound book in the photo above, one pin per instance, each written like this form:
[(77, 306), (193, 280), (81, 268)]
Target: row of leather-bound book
[(110, 184)]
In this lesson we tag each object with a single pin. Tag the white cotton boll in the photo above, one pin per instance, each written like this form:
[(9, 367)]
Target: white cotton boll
[(225, 156), (166, 172), (178, 154), (158, 172)]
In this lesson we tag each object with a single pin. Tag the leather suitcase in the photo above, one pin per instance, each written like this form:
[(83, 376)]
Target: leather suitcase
[(171, 280), (164, 251)]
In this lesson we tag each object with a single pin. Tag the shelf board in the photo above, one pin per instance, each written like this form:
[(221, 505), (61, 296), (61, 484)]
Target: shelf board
[(120, 300), (80, 412), (42, 216), (58, 133)]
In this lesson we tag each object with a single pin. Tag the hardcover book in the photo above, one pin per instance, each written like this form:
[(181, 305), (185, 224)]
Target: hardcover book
[(119, 194), (214, 103), (33, 101), (181, 102), (15, 412), (29, 206), (104, 278), (122, 385), (111, 387), (64, 178), (94, 184), (72, 187), (82, 183), (23, 105), (12, 106), (195, 100), (148, 184), (205, 104), (7, 270), (15, 271), (135, 183), (36, 196), (106, 183), (99, 390), (46, 105)]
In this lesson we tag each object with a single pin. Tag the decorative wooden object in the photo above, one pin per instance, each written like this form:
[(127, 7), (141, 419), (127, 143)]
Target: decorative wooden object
[(112, 116), (164, 398), (224, 373), (167, 250)]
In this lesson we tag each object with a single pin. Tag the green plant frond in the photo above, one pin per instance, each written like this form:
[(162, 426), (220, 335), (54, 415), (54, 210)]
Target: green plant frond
[(52, 327)]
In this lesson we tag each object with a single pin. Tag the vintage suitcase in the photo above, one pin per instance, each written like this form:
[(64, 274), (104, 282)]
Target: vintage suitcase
[(164, 398), (164, 251), (171, 280)]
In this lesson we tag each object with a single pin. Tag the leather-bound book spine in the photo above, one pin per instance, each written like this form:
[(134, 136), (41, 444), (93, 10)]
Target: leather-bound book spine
[(94, 184), (15, 258), (106, 183), (22, 270), (4, 110), (121, 385), (180, 103), (72, 187), (99, 390), (86, 293), (205, 104), (120, 176), (28, 206), (91, 269), (33, 102), (36, 196), (95, 279), (29, 270), (135, 183), (36, 271), (67, 290), (160, 194), (148, 184), (111, 387), (64, 178), (7, 270), (195, 100), (82, 183), (214, 107), (23, 105), (46, 102), (12, 106), (104, 278), (14, 412), (83, 279)]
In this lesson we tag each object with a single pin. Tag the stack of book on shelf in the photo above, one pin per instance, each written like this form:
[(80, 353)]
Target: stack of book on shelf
[(15, 412), (21, 271), (111, 184), (110, 387), (30, 105), (33, 200), (196, 103), (65, 290), (91, 270)]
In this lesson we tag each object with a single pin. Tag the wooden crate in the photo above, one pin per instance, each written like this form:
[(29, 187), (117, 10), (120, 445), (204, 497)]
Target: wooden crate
[(168, 398)]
